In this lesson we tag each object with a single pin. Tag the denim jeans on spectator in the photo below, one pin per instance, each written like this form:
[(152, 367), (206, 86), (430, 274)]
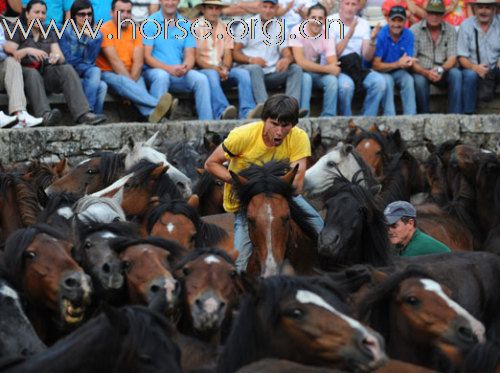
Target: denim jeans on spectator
[(242, 241), (375, 87), (292, 77), (346, 93), (95, 89), (451, 79), (133, 90), (404, 80), (469, 97), (161, 82), (328, 83), (237, 77)]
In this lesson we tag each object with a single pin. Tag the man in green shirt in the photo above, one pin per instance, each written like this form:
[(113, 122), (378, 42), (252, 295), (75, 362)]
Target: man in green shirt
[(401, 217)]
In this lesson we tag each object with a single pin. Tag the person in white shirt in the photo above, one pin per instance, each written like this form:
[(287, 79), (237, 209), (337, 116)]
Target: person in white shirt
[(356, 43)]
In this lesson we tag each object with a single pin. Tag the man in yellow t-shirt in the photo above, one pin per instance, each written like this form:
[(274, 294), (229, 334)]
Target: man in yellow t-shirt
[(121, 61), (276, 137)]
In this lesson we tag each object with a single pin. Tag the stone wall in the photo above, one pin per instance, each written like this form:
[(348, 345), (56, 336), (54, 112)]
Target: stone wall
[(77, 142)]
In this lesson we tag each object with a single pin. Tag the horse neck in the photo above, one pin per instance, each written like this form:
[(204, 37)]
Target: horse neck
[(301, 250)]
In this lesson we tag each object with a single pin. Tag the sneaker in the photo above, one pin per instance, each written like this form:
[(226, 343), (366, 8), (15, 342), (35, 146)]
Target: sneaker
[(175, 103), (6, 120), (229, 113), (91, 118), (52, 118), (25, 120), (256, 112), (161, 109), (303, 113)]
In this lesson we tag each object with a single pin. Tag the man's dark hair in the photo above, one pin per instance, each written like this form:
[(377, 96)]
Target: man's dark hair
[(123, 1), (79, 5), (317, 6), (283, 108), (406, 219)]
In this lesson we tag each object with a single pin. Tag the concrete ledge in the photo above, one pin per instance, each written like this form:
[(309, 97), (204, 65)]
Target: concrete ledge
[(77, 142)]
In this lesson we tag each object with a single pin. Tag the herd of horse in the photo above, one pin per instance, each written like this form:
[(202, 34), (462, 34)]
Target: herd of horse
[(125, 262)]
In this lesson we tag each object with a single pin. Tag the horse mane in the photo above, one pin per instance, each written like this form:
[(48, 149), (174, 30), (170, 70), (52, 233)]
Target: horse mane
[(165, 188), (355, 138), (16, 245), (118, 228), (204, 185), (41, 173), (393, 184), (366, 171), (55, 202), (375, 307), (483, 168), (266, 179), (206, 234), (374, 238), (482, 358), (26, 198), (111, 166), (121, 244), (249, 338), (195, 254)]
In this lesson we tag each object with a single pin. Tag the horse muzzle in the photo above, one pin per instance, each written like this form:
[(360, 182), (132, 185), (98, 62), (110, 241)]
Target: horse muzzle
[(110, 276), (164, 293), (208, 312), (366, 352), (328, 242), (75, 296)]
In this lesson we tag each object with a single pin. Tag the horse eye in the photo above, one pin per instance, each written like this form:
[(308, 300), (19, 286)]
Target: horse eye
[(91, 171), (186, 271), (126, 265), (233, 274), (145, 358), (331, 164), (251, 221), (412, 301), (30, 255), (219, 183), (296, 313), (87, 245)]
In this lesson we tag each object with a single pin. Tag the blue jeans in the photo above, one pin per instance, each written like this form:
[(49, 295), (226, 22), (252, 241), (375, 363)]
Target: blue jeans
[(375, 87), (237, 77), (346, 93), (161, 82), (292, 78), (242, 242), (453, 79), (133, 90), (404, 80), (328, 83), (469, 99), (95, 89)]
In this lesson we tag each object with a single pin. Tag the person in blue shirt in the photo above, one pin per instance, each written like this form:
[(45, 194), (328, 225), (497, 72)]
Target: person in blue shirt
[(81, 52), (171, 58), (102, 10), (393, 58)]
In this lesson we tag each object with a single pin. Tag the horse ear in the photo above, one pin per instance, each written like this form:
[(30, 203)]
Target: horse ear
[(396, 137), (193, 201), (373, 128), (251, 285), (375, 189), (118, 197), (43, 198), (316, 138), (200, 171), (116, 318), (286, 269), (429, 145), (238, 180), (59, 167), (351, 125), (151, 141), (290, 175), (379, 276), (159, 170)]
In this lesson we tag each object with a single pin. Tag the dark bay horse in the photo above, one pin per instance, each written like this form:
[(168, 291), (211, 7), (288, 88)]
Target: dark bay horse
[(419, 321), (130, 340), (56, 289), (277, 226), (211, 288), (302, 320), (210, 192)]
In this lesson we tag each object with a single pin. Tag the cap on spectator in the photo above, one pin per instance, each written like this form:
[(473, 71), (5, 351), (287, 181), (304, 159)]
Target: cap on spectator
[(275, 2), (435, 6), (213, 2), (397, 12), (485, 2), (396, 210)]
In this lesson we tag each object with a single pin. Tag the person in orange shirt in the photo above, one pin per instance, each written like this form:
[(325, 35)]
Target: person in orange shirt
[(121, 61)]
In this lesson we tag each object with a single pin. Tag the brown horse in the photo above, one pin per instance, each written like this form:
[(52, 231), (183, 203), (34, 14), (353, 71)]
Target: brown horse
[(278, 228), (300, 319), (90, 175), (210, 291), (148, 267), (178, 221), (57, 290), (210, 191), (419, 320)]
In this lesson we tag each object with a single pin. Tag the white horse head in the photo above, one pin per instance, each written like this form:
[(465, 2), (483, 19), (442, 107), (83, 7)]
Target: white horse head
[(136, 151), (100, 209), (339, 161)]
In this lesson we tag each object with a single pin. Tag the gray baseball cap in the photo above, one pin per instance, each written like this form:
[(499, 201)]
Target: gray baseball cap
[(396, 210)]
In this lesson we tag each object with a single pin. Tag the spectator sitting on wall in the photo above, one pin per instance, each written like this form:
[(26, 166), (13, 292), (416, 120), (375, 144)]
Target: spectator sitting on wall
[(308, 50), (483, 31), (356, 44), (394, 58), (121, 61), (214, 57), (267, 56), (45, 70), (436, 53), (82, 51), (171, 59)]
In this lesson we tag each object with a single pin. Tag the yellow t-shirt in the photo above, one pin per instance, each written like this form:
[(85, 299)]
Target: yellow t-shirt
[(244, 146)]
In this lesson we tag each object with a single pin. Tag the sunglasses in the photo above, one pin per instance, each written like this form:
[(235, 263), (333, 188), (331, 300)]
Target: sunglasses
[(83, 14)]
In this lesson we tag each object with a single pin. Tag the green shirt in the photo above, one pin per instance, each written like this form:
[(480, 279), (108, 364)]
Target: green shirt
[(423, 244)]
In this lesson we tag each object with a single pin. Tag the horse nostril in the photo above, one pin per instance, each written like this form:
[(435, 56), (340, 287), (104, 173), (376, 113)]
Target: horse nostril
[(181, 185), (466, 333), (24, 352), (221, 306), (198, 303), (154, 288), (71, 283), (106, 268)]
